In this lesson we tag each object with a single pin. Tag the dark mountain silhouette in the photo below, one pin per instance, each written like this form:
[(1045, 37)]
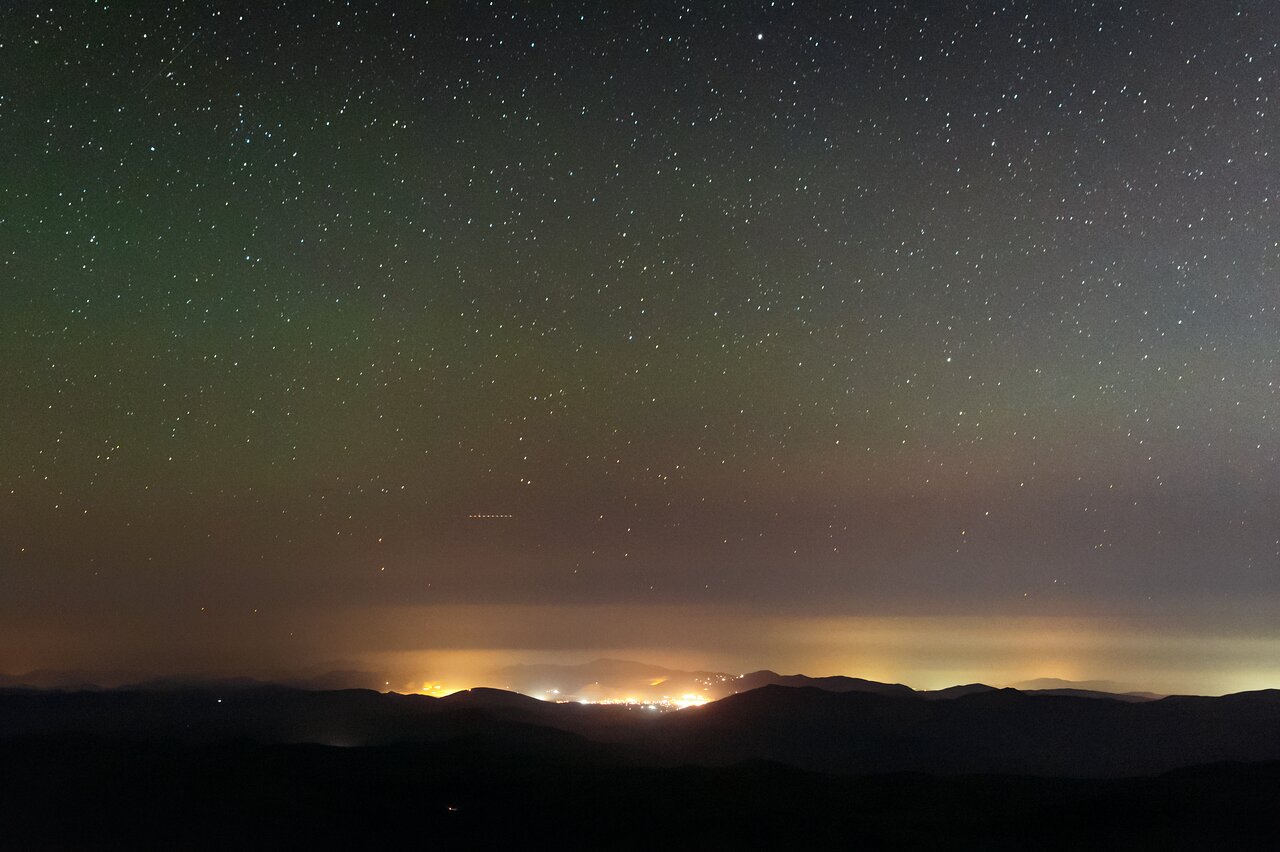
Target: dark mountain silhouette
[(1084, 689), (95, 793), (645, 682), (1090, 693), (608, 678), (1001, 731), (956, 691), (851, 732), (51, 679), (236, 764), (77, 680), (253, 766), (493, 699), (1059, 683), (755, 680)]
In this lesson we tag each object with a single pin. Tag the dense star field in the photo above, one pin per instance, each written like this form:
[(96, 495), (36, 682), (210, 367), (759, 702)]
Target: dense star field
[(926, 341)]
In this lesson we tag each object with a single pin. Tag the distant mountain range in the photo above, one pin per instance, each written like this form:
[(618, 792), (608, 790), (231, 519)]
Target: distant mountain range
[(598, 680), (858, 727), (239, 764), (604, 679), (72, 679)]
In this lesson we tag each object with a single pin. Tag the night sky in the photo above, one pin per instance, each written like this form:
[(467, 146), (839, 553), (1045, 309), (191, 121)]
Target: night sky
[(924, 341)]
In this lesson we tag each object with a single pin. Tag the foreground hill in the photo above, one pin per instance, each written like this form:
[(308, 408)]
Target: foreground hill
[(851, 732), (271, 767), (1001, 731), (89, 793)]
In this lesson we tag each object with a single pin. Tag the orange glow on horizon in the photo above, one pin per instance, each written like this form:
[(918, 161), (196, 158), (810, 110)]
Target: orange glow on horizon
[(437, 690), (923, 652)]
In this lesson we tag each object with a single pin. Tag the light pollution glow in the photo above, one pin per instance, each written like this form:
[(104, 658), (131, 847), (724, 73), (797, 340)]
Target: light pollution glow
[(460, 646), (1161, 654), (663, 702)]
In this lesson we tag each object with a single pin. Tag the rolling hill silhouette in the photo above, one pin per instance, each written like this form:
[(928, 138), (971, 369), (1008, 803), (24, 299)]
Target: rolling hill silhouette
[(642, 681), (847, 732), (777, 765)]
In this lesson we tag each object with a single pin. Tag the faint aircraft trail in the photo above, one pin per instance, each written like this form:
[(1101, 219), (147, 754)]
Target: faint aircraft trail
[(169, 64)]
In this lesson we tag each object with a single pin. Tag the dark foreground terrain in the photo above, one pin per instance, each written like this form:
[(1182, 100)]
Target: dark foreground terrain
[(273, 768)]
